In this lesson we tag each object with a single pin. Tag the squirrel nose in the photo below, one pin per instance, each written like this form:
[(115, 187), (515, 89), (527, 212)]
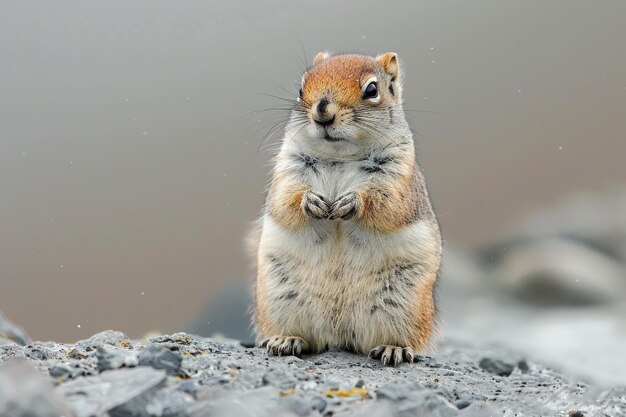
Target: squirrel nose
[(322, 116), (322, 106)]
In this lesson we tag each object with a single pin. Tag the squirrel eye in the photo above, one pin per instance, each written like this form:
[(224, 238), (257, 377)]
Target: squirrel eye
[(300, 93), (371, 91)]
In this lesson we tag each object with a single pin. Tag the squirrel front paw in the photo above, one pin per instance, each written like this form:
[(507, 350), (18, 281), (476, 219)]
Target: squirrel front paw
[(345, 207), (316, 205)]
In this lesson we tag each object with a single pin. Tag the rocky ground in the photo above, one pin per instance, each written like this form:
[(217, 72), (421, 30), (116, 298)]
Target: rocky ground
[(183, 375), (557, 295)]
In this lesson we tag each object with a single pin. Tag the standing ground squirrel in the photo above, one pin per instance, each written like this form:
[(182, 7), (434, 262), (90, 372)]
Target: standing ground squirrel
[(348, 248)]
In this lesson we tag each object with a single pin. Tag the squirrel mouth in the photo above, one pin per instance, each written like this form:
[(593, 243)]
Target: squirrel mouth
[(330, 138)]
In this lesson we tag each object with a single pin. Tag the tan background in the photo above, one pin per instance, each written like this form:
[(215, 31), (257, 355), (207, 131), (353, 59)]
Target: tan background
[(130, 169)]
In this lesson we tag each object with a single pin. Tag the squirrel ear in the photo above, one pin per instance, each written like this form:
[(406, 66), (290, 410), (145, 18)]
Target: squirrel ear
[(389, 62), (320, 57)]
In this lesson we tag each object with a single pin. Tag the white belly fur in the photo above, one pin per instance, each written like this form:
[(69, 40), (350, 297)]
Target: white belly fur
[(336, 276)]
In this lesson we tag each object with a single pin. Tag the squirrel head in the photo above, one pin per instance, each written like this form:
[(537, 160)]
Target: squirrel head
[(350, 97)]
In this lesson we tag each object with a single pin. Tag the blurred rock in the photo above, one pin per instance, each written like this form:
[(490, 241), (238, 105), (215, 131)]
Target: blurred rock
[(163, 402), (479, 410), (300, 406), (113, 358), (160, 357), (12, 332), (65, 371), (556, 271), (280, 378), (25, 392), (240, 406), (553, 288), (107, 337), (412, 399), (127, 391), (168, 402), (572, 254), (596, 219), (496, 366), (427, 404)]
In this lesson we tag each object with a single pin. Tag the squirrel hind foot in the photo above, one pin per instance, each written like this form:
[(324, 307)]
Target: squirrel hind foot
[(391, 355), (284, 345)]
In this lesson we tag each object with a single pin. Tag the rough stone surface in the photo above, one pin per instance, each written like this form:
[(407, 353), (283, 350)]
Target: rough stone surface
[(160, 357), (223, 378), (113, 358)]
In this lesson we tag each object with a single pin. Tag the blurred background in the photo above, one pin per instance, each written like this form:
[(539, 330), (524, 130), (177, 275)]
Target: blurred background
[(133, 159)]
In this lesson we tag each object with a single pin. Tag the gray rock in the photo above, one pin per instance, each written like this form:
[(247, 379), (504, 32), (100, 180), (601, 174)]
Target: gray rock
[(114, 358), (190, 387), (95, 395), (210, 379), (412, 399), (479, 410), (558, 271), (597, 219), (462, 404), (221, 378), (136, 407), (12, 332), (573, 253), (425, 403), (304, 404), (163, 402), (160, 357), (318, 403), (298, 405), (280, 378), (11, 351), (25, 392), (174, 340), (256, 403), (496, 366), (394, 392), (65, 371), (107, 337), (87, 348), (39, 351), (169, 403)]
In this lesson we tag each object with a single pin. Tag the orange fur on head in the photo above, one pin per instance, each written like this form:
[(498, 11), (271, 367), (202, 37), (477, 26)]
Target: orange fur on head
[(338, 76)]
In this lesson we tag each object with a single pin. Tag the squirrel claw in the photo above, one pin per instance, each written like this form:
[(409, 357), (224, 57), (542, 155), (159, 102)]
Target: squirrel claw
[(392, 355), (316, 205), (284, 345), (345, 207)]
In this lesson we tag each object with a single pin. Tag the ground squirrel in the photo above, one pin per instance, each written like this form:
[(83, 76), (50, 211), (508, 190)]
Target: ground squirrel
[(348, 247)]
